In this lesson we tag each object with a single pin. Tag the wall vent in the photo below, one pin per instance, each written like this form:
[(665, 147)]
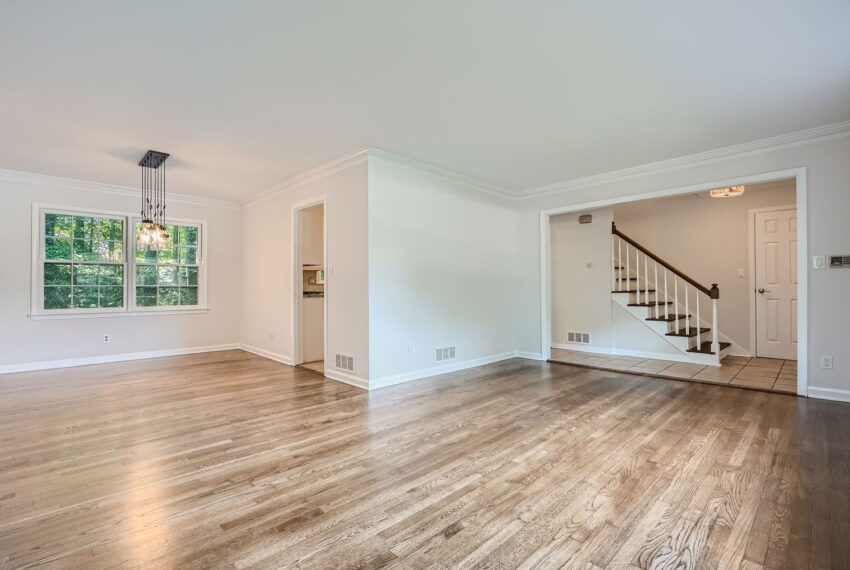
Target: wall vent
[(345, 362), (578, 337), (446, 353)]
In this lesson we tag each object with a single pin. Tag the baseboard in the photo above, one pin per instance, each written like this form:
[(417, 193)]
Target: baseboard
[(437, 370), (584, 348), (529, 355), (625, 352), (267, 354), (829, 394), (346, 378), (105, 359), (337, 375)]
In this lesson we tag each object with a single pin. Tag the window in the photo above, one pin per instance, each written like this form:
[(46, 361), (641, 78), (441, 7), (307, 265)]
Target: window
[(88, 263), (169, 277)]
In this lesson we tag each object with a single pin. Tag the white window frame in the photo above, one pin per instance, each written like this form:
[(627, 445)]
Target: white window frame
[(37, 310)]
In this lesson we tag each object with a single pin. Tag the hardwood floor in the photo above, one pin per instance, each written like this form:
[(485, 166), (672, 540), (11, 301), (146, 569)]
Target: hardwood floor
[(229, 460)]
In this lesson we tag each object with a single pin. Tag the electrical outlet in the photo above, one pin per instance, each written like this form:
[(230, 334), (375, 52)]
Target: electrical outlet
[(411, 351), (826, 362), (106, 339), (271, 336)]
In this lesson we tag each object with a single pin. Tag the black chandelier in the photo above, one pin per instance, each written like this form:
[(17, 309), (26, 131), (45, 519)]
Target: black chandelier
[(152, 235)]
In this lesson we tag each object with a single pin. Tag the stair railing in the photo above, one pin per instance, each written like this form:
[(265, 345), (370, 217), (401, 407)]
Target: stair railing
[(621, 256)]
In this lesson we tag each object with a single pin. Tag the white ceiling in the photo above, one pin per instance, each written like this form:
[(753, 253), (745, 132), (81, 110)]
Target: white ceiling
[(246, 94)]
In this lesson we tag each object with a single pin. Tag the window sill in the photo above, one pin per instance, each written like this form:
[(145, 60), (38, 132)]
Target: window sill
[(193, 311)]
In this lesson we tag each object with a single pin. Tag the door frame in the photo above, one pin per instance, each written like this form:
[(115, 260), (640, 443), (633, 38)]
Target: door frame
[(298, 277), (798, 174), (751, 237)]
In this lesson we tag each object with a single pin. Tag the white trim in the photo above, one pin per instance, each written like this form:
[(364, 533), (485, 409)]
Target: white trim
[(346, 378), (437, 370), (628, 352), (751, 259), (799, 174), (89, 186), (298, 276), (112, 314), (583, 348), (321, 171), (441, 173), (788, 140), (265, 354), (104, 359), (829, 394), (529, 355), (785, 141)]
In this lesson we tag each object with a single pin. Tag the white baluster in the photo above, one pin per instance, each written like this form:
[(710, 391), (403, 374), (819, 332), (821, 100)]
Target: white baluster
[(613, 264), (637, 274), (646, 279), (676, 300), (620, 262), (699, 335), (687, 309), (655, 284), (628, 274), (666, 305)]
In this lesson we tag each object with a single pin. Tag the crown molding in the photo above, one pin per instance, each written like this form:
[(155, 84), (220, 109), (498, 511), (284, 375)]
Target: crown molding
[(442, 173), (321, 171), (86, 185), (780, 142)]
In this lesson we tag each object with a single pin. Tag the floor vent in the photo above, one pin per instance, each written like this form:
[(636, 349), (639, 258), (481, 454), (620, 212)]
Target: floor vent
[(446, 353), (578, 337), (344, 362)]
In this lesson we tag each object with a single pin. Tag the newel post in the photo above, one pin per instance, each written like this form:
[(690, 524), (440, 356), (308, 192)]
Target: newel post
[(613, 228), (714, 293)]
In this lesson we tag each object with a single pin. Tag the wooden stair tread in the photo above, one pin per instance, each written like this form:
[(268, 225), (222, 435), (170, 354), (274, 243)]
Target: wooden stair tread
[(635, 291), (669, 319), (705, 347), (684, 332), (651, 304)]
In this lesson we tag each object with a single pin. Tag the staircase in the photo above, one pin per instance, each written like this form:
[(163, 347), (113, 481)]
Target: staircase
[(671, 304)]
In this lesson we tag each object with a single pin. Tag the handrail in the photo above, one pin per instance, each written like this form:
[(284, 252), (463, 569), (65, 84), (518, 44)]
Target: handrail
[(713, 292)]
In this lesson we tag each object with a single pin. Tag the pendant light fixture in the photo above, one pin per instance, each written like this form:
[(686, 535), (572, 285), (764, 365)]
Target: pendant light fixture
[(152, 236), (728, 192)]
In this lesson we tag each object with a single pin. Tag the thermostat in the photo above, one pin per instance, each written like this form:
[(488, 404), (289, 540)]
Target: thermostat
[(839, 260)]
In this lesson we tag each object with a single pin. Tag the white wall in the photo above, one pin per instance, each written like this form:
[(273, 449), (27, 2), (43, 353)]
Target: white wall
[(828, 177), (23, 340), (441, 272), (268, 278), (708, 239), (581, 277)]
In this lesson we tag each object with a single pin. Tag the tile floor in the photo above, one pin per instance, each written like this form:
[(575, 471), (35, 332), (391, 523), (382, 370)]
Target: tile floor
[(315, 366), (760, 373)]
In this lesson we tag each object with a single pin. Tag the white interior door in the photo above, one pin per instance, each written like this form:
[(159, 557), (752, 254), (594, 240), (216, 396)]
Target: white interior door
[(776, 284)]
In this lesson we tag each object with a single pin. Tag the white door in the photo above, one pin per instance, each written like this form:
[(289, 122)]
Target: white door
[(776, 284)]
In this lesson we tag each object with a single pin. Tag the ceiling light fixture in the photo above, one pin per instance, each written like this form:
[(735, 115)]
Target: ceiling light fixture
[(728, 192), (152, 235)]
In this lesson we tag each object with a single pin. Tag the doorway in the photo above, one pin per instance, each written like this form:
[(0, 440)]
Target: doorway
[(773, 247), (309, 254), (796, 174)]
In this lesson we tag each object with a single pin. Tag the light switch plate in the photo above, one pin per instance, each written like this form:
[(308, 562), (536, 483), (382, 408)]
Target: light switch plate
[(740, 274), (819, 262)]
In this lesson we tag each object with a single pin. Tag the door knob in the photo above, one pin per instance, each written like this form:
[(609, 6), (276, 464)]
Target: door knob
[(763, 291)]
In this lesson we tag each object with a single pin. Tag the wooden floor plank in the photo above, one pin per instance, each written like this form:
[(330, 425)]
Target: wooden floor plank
[(230, 460)]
